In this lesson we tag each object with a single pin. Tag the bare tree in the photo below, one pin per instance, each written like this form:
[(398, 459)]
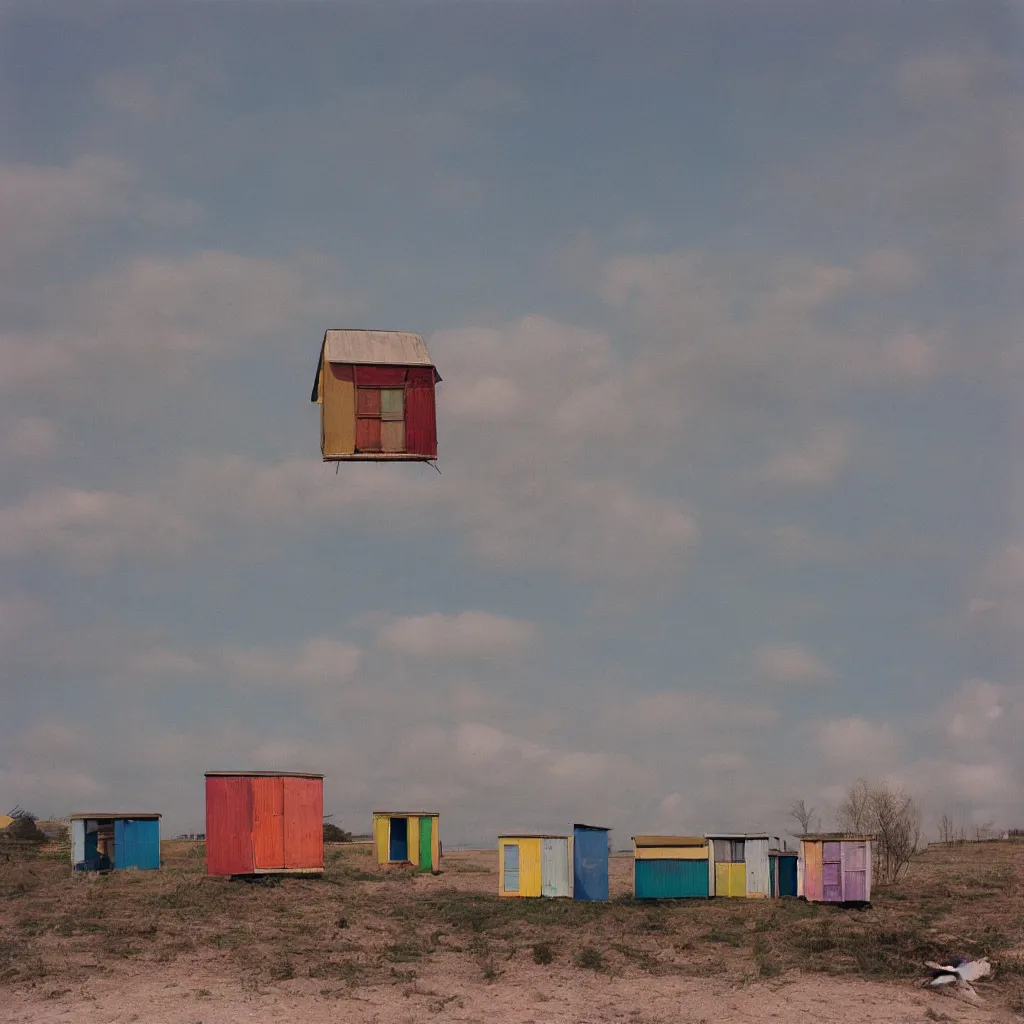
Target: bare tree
[(802, 814), (950, 831), (892, 816), (854, 814)]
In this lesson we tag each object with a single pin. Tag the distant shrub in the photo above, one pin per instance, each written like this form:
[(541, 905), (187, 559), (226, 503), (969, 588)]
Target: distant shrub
[(543, 953)]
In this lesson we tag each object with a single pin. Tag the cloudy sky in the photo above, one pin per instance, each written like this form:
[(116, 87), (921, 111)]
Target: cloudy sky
[(726, 298)]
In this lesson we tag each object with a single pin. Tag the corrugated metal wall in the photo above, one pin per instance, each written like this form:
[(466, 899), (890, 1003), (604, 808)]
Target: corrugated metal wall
[(755, 853), (662, 879), (303, 823), (77, 841), (421, 414), (137, 844), (590, 864), (556, 872), (268, 822), (229, 825)]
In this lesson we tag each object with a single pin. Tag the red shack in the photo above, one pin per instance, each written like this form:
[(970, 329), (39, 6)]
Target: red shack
[(264, 823), (375, 390)]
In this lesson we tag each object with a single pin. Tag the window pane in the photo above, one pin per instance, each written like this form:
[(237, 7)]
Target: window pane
[(367, 402), (511, 866), (737, 851), (392, 404), (723, 851), (392, 435)]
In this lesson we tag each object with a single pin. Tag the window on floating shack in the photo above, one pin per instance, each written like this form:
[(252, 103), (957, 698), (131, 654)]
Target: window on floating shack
[(380, 419)]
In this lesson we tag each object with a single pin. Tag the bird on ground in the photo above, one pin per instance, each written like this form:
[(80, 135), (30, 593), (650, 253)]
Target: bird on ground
[(955, 977)]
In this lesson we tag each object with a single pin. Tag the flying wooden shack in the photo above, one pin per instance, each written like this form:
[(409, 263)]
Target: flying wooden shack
[(375, 390)]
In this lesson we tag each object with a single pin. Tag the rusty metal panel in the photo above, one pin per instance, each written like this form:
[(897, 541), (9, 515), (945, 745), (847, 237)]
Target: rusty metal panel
[(228, 825), (268, 822), (368, 401), (392, 403), (303, 814), (337, 412), (392, 436), (368, 437)]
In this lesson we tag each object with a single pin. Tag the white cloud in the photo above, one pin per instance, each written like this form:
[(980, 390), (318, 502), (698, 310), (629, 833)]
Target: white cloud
[(791, 665), (677, 713), (949, 78), (818, 460), (469, 635), (855, 741)]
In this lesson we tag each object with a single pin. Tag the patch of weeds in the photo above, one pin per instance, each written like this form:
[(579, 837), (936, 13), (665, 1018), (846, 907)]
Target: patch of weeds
[(398, 975), (347, 970), (342, 922), (56, 993), (643, 958), (589, 959), (283, 970), (403, 952), (438, 1005), (542, 953), (931, 1014), (734, 939), (203, 993)]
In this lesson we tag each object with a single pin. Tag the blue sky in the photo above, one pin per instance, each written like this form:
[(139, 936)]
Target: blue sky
[(725, 301)]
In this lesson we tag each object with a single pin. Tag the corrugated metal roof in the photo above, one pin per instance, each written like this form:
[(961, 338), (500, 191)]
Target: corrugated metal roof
[(408, 814), (399, 348), (669, 841), (533, 835), (115, 816), (596, 828), (836, 837), (735, 835), (267, 775)]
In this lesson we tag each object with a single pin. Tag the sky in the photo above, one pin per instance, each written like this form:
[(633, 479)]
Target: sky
[(726, 301)]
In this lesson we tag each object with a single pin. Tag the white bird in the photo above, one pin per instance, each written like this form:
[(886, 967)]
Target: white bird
[(956, 976)]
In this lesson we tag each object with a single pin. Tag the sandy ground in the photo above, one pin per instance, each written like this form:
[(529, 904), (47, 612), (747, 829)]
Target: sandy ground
[(174, 947), (525, 993)]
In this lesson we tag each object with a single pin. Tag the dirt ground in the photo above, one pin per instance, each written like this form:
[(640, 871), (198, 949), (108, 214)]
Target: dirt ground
[(176, 947)]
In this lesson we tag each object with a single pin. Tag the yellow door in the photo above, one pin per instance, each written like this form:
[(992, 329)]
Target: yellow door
[(730, 879), (529, 867)]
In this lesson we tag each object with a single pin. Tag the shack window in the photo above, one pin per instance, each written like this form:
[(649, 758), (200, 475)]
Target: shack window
[(511, 867), (380, 419), (729, 851)]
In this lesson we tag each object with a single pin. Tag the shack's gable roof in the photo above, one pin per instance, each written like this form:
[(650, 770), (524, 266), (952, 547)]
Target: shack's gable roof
[(406, 814), (264, 775), (377, 348), (118, 816), (533, 835), (656, 841), (591, 828), (735, 835)]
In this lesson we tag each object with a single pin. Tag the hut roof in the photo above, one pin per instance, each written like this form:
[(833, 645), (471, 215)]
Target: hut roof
[(116, 816), (408, 814), (835, 837), (735, 835), (645, 841), (596, 828), (373, 348), (532, 835), (271, 775)]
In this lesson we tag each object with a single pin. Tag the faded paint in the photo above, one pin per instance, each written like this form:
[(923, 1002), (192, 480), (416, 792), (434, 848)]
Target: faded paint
[(671, 853), (264, 823), (422, 839), (383, 348), (738, 865), (556, 873), (590, 862), (77, 841), (337, 417), (835, 868), (783, 873), (755, 854)]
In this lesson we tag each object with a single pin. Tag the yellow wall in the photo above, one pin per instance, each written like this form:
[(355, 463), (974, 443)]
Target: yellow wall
[(337, 412), (380, 838), (670, 853), (435, 825), (529, 866), (730, 879), (413, 836)]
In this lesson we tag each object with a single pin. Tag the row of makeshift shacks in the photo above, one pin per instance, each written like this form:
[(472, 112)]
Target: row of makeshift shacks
[(260, 823), (828, 868)]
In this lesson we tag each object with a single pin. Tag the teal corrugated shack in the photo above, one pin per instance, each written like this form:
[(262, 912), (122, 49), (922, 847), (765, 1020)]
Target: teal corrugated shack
[(782, 872), (670, 867), (114, 842)]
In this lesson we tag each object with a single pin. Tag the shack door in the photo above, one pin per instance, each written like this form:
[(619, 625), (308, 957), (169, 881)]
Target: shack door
[(554, 867), (426, 844), (787, 876), (268, 823), (398, 843), (832, 872), (855, 871), (590, 864), (124, 846)]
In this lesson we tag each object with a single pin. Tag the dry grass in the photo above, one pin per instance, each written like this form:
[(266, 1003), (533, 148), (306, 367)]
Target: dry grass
[(360, 926)]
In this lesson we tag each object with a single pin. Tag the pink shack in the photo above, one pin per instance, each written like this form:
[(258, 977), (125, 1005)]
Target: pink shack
[(835, 867)]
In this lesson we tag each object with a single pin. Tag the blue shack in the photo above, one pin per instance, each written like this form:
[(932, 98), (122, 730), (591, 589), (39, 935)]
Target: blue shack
[(589, 862), (114, 842)]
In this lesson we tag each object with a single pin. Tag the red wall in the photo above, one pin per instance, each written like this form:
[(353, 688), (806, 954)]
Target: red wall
[(263, 822), (420, 413)]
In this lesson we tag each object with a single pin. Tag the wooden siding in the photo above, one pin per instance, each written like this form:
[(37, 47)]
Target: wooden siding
[(415, 822), (303, 824), (337, 410), (810, 862), (755, 854), (556, 868), (421, 414), (229, 826)]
